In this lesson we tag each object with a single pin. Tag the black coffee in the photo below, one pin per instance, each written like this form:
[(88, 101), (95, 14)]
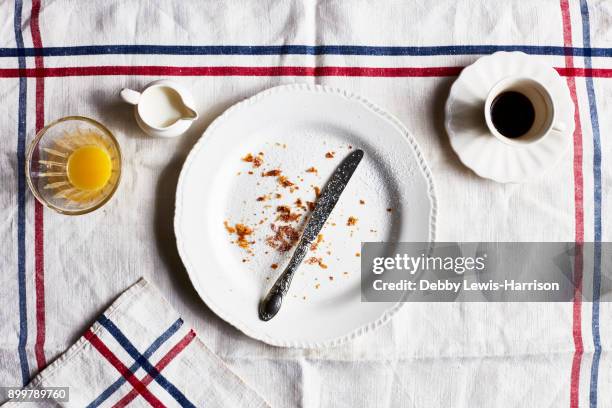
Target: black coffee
[(512, 114)]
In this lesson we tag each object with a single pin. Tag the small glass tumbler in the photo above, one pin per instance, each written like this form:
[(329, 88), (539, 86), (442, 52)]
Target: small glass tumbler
[(47, 163)]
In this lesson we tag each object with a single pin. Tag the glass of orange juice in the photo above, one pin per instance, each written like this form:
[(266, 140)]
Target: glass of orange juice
[(73, 165)]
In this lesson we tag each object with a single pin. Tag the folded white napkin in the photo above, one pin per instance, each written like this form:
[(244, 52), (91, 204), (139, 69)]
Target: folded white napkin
[(140, 352)]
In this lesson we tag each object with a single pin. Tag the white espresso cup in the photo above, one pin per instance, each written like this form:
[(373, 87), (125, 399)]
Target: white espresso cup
[(545, 120)]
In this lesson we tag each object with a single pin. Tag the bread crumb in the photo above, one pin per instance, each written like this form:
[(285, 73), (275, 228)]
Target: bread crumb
[(316, 261), (315, 244), (284, 181), (228, 227), (284, 238), (271, 173), (351, 221), (285, 214), (243, 231), (330, 155), (256, 160)]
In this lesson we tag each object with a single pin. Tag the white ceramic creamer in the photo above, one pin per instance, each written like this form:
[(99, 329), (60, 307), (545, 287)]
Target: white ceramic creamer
[(164, 108)]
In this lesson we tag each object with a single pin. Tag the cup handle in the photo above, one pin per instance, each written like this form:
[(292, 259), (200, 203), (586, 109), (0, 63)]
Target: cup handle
[(559, 126), (130, 96)]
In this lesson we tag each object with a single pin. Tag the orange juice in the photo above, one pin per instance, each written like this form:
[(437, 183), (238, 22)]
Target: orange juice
[(89, 167), (80, 167)]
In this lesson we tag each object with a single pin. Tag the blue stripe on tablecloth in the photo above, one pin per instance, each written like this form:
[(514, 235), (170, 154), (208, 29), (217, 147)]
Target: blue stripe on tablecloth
[(148, 353), (21, 278), (586, 39), (305, 50), (143, 362)]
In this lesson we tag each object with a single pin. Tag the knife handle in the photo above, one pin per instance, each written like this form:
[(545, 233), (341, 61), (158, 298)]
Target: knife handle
[(271, 304)]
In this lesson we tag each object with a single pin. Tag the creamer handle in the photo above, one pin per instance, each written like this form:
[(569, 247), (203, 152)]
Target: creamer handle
[(130, 96)]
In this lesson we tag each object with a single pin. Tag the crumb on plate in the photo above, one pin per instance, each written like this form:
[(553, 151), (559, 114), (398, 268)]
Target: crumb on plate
[(256, 160), (315, 245), (285, 214), (271, 173), (285, 182), (284, 237), (313, 260), (228, 227), (243, 231)]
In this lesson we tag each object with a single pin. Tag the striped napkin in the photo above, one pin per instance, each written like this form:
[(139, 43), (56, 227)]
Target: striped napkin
[(140, 352)]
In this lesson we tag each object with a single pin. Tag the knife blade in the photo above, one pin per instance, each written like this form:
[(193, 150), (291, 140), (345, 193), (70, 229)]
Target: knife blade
[(271, 304)]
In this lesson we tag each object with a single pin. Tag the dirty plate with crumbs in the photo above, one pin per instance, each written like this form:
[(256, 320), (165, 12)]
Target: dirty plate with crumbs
[(249, 185)]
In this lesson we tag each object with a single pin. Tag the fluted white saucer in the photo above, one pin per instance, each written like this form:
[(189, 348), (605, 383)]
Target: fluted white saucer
[(469, 136)]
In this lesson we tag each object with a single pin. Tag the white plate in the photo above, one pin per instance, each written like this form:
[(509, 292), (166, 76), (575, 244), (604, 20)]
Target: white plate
[(469, 136), (295, 126)]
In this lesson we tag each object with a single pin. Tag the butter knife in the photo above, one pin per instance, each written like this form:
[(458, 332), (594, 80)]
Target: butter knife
[(271, 304)]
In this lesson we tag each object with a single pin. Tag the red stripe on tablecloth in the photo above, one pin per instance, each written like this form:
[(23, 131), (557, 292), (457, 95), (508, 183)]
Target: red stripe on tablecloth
[(165, 360), (235, 71), (585, 72), (125, 372), (579, 215), (39, 251), (384, 72)]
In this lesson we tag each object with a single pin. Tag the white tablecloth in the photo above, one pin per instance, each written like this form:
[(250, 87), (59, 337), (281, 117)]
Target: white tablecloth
[(59, 273)]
